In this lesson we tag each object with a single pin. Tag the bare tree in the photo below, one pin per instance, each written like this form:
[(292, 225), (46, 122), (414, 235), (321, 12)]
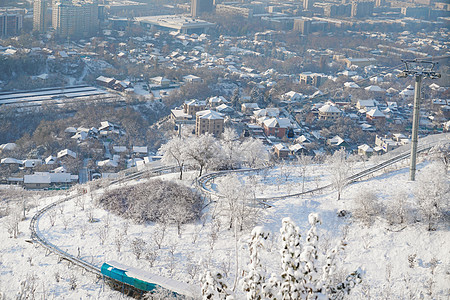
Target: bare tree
[(254, 153), (432, 193), (339, 169), (304, 161), (230, 156), (159, 233), (174, 151), (201, 150), (367, 206), (138, 246)]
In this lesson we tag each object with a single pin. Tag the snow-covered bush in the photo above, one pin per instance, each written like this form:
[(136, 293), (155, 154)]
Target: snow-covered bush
[(367, 206), (156, 201)]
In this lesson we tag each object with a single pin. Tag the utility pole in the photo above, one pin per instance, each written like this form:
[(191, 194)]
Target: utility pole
[(419, 69)]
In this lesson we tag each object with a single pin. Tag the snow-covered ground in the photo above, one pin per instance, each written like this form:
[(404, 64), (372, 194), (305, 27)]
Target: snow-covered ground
[(381, 250)]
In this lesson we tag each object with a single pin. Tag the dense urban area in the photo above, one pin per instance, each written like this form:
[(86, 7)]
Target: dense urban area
[(148, 139)]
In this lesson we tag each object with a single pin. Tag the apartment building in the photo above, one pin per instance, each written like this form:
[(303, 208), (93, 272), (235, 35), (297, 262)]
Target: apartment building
[(209, 121), (75, 18)]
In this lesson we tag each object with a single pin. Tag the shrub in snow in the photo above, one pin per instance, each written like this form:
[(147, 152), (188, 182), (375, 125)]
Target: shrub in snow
[(367, 206), (156, 201)]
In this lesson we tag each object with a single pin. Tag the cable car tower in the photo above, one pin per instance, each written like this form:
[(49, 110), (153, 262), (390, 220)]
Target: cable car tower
[(419, 69)]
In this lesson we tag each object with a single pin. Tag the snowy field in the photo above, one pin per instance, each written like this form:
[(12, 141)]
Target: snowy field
[(402, 261)]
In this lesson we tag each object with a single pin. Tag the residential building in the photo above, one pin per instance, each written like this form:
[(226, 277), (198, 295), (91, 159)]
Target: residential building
[(303, 25), (199, 7), (362, 9), (281, 150), (193, 106), (209, 121), (10, 22), (276, 127), (75, 19), (375, 114), (308, 4), (40, 15), (365, 150), (329, 112), (315, 79)]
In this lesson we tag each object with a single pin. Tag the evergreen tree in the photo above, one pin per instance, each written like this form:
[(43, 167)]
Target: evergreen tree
[(255, 277), (290, 260)]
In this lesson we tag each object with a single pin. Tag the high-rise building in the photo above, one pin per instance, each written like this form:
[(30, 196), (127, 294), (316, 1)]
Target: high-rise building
[(40, 15), (10, 22), (75, 19), (198, 7), (308, 4), (362, 9)]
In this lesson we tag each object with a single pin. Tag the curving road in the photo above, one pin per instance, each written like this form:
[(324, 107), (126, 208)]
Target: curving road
[(204, 181)]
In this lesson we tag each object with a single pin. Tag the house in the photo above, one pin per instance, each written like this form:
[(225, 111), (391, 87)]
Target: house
[(385, 143), (120, 149), (365, 150), (108, 126), (8, 147), (193, 106), (298, 149), (249, 107), (37, 181), (178, 115), (276, 127), (192, 79), (292, 96), (337, 141), (281, 150), (329, 112), (105, 81), (225, 109), (160, 81), (66, 153), (140, 150), (122, 85), (42, 180), (9, 160), (375, 114), (50, 160), (315, 79), (367, 104), (209, 121), (31, 163), (216, 101)]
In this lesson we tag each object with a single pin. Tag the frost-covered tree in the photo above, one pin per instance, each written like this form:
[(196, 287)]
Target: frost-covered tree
[(302, 277), (213, 287), (441, 152), (253, 281), (432, 193), (309, 259), (254, 153), (230, 154), (304, 161), (339, 168), (290, 260), (271, 288), (174, 151), (367, 206), (201, 150)]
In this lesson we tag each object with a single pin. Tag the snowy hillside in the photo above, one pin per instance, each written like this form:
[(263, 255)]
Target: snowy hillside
[(399, 261)]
